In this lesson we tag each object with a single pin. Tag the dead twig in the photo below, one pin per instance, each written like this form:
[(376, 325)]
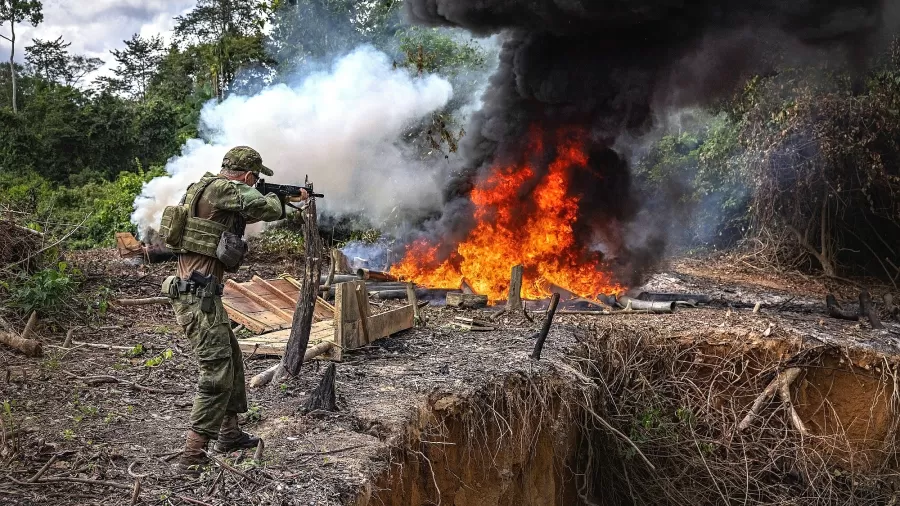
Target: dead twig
[(96, 380), (87, 481), (231, 469), (44, 469)]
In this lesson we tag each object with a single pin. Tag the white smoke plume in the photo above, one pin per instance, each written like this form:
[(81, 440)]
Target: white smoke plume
[(341, 127)]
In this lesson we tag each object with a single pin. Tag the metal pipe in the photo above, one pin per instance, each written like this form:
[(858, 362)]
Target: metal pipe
[(375, 275), (642, 305)]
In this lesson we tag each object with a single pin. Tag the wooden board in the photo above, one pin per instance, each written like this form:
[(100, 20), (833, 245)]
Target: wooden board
[(274, 311), (127, 245), (349, 298), (274, 343), (391, 322)]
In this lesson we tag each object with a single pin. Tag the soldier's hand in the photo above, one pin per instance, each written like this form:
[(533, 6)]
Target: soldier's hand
[(299, 198)]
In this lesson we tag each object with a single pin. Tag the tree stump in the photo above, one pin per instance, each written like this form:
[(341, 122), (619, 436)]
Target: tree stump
[(514, 301), (324, 398)]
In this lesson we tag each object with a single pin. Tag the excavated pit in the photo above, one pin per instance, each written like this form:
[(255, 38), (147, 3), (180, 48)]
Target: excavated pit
[(638, 414)]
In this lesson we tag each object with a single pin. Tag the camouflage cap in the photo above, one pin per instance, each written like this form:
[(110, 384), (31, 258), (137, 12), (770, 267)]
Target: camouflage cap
[(245, 158)]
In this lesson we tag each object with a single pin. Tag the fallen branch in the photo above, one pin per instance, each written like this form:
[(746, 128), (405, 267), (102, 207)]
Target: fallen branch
[(72, 480), (277, 371), (868, 310), (103, 346), (44, 469), (29, 347), (230, 469), (97, 380), (142, 302), (136, 492), (192, 501), (55, 244)]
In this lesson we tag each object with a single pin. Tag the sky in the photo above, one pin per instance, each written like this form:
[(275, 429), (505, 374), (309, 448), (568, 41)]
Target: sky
[(96, 26)]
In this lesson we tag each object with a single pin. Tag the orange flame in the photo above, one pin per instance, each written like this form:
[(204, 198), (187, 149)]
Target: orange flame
[(514, 227)]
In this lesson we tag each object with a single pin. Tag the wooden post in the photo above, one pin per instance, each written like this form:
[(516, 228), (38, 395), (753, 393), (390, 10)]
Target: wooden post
[(363, 309), (539, 345), (514, 301), (309, 291), (411, 297)]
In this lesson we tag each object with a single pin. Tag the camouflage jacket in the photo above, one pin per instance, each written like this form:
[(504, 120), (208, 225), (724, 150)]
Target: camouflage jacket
[(230, 203)]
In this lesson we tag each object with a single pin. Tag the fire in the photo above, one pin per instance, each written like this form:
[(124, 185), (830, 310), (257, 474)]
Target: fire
[(515, 226)]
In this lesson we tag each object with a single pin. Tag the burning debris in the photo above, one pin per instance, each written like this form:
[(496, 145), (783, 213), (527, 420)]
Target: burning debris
[(538, 233), (545, 180)]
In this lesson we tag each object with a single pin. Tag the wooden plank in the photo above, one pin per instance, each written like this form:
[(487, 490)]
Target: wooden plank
[(286, 300), (245, 319), (384, 324), (259, 299), (285, 287), (362, 304), (275, 343), (347, 316)]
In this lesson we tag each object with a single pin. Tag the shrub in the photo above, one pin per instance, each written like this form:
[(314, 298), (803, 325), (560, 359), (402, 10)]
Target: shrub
[(46, 291)]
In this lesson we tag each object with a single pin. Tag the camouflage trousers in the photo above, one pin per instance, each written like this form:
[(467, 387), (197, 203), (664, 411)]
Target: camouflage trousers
[(221, 387)]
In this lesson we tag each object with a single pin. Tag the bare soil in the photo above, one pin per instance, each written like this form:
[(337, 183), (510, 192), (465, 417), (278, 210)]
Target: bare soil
[(433, 415)]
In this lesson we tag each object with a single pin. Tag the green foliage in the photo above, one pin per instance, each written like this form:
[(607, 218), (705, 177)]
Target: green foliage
[(46, 291), (433, 50), (279, 241), (698, 166), (160, 359), (254, 414), (136, 351), (101, 207)]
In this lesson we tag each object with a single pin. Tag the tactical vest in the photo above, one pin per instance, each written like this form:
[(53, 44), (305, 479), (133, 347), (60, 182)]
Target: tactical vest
[(185, 232)]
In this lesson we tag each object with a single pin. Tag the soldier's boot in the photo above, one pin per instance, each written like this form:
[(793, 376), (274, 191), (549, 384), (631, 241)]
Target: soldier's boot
[(231, 437), (193, 458)]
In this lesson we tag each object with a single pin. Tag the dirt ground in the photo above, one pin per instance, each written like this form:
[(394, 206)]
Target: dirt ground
[(117, 434)]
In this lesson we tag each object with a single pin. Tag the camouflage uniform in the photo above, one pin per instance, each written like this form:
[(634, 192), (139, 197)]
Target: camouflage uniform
[(221, 389)]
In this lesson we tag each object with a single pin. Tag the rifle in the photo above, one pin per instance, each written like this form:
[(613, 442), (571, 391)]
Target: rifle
[(284, 190)]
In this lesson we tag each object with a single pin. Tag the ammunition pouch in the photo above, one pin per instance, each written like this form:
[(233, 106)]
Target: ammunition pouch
[(202, 236), (171, 228), (231, 250)]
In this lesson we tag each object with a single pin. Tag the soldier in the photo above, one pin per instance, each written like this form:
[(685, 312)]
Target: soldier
[(215, 211)]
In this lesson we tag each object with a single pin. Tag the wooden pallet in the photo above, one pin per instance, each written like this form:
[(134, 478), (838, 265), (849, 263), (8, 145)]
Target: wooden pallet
[(352, 324), (267, 305)]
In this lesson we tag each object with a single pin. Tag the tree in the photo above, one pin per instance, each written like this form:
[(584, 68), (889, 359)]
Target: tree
[(16, 11), (303, 30), (48, 58), (137, 64), (229, 36)]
